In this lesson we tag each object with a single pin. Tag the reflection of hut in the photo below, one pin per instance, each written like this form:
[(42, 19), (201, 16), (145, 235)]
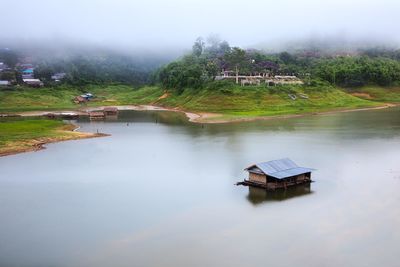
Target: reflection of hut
[(110, 111), (96, 115), (258, 195), (277, 174)]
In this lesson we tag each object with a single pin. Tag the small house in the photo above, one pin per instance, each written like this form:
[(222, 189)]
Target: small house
[(28, 71), (57, 77), (33, 82), (87, 96), (79, 100), (4, 83), (276, 174), (3, 66)]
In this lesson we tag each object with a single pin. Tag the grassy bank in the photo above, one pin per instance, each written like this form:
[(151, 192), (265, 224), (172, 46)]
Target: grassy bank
[(226, 104), (229, 101), (28, 135), (60, 97), (377, 93), (262, 101)]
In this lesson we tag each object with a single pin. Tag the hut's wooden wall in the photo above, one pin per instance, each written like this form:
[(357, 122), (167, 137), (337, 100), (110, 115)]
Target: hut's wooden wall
[(301, 177), (258, 178)]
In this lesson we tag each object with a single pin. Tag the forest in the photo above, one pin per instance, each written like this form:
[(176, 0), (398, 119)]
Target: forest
[(364, 67), (198, 68)]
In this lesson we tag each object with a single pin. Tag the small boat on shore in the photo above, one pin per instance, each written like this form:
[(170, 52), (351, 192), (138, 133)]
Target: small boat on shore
[(62, 115)]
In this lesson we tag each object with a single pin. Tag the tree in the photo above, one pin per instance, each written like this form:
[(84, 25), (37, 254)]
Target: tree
[(236, 58), (198, 47), (7, 75), (9, 57)]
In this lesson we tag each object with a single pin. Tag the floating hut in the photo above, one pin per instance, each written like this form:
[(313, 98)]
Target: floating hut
[(277, 174), (96, 115), (110, 111)]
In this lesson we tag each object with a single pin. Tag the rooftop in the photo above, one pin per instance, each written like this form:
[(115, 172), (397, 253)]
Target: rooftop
[(281, 168), (31, 80), (4, 82)]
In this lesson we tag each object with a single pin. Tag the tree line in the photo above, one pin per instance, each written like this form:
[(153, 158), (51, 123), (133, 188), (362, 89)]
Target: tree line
[(208, 59)]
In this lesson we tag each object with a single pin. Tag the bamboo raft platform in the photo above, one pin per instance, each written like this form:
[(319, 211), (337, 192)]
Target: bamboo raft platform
[(272, 187), (96, 115)]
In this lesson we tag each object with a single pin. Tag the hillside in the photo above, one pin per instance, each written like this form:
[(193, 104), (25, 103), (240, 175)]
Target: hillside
[(261, 101), (377, 93), (231, 101)]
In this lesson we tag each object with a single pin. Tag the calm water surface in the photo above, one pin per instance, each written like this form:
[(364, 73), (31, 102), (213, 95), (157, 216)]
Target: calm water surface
[(160, 192)]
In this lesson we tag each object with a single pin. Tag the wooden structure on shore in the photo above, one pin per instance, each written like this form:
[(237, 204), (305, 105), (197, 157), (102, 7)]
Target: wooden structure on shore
[(96, 115), (110, 111), (79, 100), (277, 174)]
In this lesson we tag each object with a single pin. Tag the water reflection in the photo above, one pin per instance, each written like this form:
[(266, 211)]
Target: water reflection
[(159, 192), (258, 196), (364, 124)]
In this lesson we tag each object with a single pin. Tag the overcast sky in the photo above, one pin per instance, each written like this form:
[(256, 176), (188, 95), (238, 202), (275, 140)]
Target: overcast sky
[(157, 23)]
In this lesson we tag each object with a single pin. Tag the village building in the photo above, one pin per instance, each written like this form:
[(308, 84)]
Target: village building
[(33, 82), (3, 66), (87, 96), (277, 174), (5, 83), (27, 71), (257, 78), (286, 79), (57, 77)]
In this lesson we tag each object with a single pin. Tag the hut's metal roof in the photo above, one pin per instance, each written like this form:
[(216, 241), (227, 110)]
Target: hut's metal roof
[(281, 168)]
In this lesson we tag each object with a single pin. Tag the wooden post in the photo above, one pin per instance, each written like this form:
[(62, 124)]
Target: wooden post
[(237, 75)]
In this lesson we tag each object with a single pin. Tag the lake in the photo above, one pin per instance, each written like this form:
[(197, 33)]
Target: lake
[(160, 192)]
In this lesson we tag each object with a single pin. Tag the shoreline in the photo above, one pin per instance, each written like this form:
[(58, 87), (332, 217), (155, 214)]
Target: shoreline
[(34, 145), (200, 117), (204, 117)]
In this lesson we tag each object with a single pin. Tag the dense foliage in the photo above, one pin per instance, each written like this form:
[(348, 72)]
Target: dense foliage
[(84, 67), (107, 69), (199, 69), (359, 70), (207, 60)]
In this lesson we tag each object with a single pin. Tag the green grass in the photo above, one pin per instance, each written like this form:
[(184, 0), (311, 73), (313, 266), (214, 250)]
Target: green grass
[(123, 95), (20, 134), (28, 99), (262, 101), (230, 100), (60, 97), (378, 93), (28, 129)]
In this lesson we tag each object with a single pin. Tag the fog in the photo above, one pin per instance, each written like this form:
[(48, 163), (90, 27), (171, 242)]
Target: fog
[(175, 24)]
